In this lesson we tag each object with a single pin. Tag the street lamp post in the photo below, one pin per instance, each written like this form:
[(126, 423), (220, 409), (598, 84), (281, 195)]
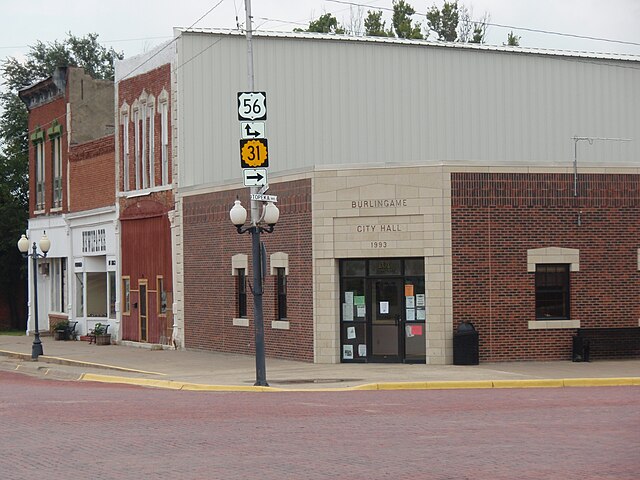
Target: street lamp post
[(23, 246), (270, 215)]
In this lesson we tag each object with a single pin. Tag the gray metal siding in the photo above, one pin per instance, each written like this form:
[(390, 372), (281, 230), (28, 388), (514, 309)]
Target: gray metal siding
[(334, 102)]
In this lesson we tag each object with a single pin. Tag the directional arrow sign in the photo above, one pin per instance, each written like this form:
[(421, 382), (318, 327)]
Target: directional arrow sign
[(252, 129), (254, 177)]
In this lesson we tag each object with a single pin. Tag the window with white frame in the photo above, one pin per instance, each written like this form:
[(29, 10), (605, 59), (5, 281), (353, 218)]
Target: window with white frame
[(58, 285), (125, 147), (151, 134), (55, 135), (137, 141), (163, 107), (145, 147), (38, 145)]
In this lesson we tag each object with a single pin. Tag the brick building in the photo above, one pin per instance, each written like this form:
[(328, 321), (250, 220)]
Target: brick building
[(72, 198), (420, 185), (145, 195)]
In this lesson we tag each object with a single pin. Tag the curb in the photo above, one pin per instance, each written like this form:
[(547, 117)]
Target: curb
[(436, 385)]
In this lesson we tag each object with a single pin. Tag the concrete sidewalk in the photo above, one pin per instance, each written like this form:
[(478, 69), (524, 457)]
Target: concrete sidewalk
[(196, 370)]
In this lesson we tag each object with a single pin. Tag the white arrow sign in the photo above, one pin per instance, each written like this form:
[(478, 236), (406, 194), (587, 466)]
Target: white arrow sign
[(254, 177), (252, 129)]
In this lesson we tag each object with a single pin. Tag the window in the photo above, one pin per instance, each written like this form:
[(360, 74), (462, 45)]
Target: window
[(136, 144), (282, 293), (552, 291), (40, 186), (96, 294), (58, 284), (241, 289), (56, 154), (164, 140), (126, 295), (112, 294), (79, 295), (162, 296), (151, 151), (125, 148)]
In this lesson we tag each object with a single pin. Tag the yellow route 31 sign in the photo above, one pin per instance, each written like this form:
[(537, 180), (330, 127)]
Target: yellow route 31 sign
[(254, 153)]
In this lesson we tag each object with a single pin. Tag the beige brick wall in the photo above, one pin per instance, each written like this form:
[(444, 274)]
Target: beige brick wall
[(382, 212)]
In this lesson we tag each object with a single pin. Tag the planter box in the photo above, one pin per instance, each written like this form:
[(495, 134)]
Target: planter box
[(103, 339), (59, 334)]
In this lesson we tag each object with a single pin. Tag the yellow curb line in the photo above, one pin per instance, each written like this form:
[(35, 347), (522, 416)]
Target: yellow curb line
[(435, 385)]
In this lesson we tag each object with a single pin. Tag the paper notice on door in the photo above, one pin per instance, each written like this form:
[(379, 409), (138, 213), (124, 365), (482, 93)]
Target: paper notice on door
[(347, 312), (384, 308), (408, 331), (416, 330), (411, 314), (362, 350), (410, 302), (358, 300), (348, 298), (420, 300), (421, 314), (347, 352), (408, 290), (361, 311), (351, 333)]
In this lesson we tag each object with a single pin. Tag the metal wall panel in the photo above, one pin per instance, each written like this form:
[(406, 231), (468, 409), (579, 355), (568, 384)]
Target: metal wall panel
[(333, 102)]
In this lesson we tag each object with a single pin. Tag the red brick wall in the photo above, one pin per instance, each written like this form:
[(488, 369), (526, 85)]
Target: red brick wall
[(130, 90), (210, 240), (496, 218), (92, 175), (43, 117)]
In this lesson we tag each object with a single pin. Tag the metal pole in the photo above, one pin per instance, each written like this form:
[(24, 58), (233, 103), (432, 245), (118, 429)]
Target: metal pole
[(36, 348), (261, 369)]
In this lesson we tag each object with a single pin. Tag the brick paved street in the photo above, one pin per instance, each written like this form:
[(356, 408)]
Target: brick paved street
[(72, 430)]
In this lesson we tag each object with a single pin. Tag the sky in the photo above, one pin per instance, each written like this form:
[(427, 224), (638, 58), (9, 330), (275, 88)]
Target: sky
[(135, 26)]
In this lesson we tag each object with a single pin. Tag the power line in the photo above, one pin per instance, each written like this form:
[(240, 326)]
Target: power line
[(534, 30)]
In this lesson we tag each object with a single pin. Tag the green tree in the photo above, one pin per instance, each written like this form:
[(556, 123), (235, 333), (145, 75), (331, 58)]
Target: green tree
[(402, 22), (444, 23), (326, 23), (513, 40), (374, 26), (453, 23), (40, 62)]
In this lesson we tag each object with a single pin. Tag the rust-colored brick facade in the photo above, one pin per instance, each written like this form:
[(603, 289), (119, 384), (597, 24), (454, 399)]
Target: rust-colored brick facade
[(496, 218), (210, 241), (92, 175)]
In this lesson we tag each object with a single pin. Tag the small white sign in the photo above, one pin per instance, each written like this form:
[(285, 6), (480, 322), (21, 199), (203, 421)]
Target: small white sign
[(264, 198), (254, 177), (253, 129), (252, 105)]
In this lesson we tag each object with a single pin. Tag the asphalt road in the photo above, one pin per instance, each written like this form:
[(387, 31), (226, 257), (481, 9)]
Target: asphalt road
[(78, 430)]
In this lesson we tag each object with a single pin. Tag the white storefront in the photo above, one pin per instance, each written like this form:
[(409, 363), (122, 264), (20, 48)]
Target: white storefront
[(77, 281)]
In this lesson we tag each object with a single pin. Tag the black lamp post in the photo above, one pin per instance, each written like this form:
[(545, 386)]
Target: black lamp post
[(23, 246), (270, 215)]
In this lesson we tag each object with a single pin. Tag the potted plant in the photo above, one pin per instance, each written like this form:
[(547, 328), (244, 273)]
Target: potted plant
[(101, 335), (60, 330)]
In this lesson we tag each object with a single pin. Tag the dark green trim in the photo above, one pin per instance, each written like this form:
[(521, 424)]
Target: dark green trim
[(55, 130), (37, 136)]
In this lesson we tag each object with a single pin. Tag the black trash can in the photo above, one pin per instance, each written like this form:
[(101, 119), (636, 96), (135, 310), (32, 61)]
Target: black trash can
[(466, 345), (581, 349)]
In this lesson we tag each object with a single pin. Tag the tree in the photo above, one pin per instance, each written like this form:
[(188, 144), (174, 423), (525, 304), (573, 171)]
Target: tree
[(445, 22), (374, 26), (40, 62), (326, 23), (513, 40), (454, 23), (402, 23)]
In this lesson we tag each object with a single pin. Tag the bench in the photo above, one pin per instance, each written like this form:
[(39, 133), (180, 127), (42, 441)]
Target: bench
[(92, 333), (70, 331), (606, 343)]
